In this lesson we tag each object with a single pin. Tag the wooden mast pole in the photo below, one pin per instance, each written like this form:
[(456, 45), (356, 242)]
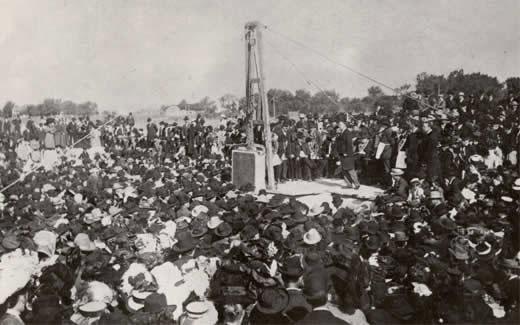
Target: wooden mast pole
[(255, 59)]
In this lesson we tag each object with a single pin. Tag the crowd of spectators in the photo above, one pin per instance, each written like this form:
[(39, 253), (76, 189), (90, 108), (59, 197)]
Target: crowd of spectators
[(151, 230)]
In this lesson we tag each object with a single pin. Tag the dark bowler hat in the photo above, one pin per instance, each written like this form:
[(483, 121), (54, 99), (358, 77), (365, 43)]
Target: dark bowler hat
[(272, 300)]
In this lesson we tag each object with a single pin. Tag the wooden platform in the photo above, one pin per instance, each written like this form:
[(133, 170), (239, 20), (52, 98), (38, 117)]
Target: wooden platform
[(321, 190)]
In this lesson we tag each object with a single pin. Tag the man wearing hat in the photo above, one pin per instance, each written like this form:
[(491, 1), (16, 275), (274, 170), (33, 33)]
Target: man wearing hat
[(399, 187), (271, 303), (345, 151), (297, 307), (15, 307), (429, 152), (316, 287), (387, 142)]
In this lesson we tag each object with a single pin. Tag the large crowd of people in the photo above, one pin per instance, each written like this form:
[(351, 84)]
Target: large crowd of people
[(123, 225)]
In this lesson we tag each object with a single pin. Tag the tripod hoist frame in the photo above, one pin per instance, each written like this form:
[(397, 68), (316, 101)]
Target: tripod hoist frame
[(257, 110)]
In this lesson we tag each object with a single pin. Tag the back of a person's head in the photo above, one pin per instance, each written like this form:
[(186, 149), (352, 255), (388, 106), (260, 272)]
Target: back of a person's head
[(315, 289)]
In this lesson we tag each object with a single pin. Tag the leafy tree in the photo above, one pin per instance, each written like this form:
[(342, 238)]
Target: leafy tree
[(229, 103), (325, 101), (282, 99), (183, 105), (7, 111), (302, 100), (404, 89), (375, 92), (456, 81), (513, 85)]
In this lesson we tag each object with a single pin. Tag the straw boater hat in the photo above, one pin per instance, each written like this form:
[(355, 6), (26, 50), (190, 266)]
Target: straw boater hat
[(136, 301), (516, 185), (92, 308), (396, 172)]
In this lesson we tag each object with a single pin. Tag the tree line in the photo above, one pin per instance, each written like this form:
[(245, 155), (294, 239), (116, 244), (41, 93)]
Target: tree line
[(52, 106), (282, 101)]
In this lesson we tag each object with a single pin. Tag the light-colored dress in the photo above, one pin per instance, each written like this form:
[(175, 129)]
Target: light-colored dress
[(60, 137), (95, 138), (49, 142), (23, 151)]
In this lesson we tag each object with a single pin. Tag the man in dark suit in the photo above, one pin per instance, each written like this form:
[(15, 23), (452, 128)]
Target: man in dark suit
[(386, 137), (151, 132), (345, 150), (412, 149), (298, 307), (399, 187), (430, 152), (283, 138), (316, 286)]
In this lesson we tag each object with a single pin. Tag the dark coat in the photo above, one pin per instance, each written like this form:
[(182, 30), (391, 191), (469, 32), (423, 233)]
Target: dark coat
[(151, 129), (387, 136), (345, 150), (430, 154), (412, 151), (400, 188), (321, 317)]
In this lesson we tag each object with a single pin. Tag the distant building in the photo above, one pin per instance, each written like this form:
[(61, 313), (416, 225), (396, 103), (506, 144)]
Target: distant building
[(176, 112)]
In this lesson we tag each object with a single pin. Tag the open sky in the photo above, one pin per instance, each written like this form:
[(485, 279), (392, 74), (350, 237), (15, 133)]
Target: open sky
[(129, 54)]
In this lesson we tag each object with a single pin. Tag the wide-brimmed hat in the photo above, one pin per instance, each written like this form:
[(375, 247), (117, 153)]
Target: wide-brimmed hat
[(249, 232), (235, 294), (46, 242), (272, 301), (316, 210), (483, 248), (92, 308), (224, 230), (459, 251), (312, 237), (199, 230), (10, 242), (400, 236), (197, 309), (83, 242), (446, 223), (155, 303), (214, 222), (292, 266), (198, 210), (185, 242), (136, 300), (373, 242)]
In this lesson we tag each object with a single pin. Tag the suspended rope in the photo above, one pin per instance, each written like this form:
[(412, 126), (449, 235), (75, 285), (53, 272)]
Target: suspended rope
[(302, 75), (361, 74), (37, 166)]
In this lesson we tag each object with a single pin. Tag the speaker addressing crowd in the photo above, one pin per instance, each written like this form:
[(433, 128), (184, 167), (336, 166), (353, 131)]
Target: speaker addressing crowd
[(144, 226)]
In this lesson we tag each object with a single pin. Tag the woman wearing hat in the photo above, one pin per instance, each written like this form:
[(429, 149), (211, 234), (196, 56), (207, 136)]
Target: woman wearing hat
[(15, 305), (49, 129)]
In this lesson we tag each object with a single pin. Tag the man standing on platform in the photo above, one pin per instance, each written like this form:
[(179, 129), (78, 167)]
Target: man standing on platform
[(345, 150)]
